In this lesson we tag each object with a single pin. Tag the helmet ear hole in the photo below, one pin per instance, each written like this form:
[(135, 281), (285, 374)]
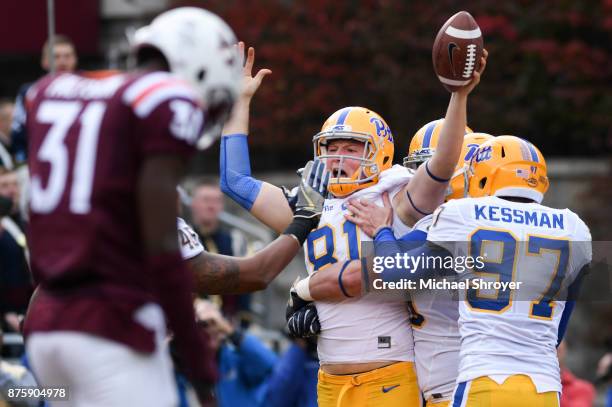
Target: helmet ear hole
[(503, 152), (386, 159), (482, 183), (147, 55)]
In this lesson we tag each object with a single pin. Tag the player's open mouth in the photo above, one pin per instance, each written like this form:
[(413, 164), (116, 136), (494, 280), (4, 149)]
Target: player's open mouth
[(338, 173)]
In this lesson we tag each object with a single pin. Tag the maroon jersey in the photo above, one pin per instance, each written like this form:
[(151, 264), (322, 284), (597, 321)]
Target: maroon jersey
[(88, 137)]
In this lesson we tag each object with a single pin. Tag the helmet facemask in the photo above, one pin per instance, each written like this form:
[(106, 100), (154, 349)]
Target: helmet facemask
[(459, 183), (365, 175), (414, 160)]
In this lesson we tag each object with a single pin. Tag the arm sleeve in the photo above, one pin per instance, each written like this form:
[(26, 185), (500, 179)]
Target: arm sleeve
[(414, 236), (287, 379), (582, 256), (256, 360), (235, 170), (572, 295), (567, 312), (386, 235)]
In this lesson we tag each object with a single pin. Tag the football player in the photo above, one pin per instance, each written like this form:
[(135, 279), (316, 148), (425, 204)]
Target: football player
[(359, 366), (433, 315), (106, 152), (508, 338), (508, 355)]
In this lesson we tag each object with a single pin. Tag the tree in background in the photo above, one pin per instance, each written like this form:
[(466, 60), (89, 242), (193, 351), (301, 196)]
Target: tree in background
[(548, 79)]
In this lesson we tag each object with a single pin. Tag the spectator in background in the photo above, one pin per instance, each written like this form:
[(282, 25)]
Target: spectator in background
[(206, 206), (245, 364), (15, 281), (65, 60), (252, 375), (294, 380), (576, 392)]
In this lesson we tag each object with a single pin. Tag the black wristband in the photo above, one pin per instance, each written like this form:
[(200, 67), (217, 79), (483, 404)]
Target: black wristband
[(301, 227)]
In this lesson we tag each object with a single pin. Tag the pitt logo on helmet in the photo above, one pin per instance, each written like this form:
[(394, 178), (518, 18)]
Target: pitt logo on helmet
[(381, 128), (424, 142), (469, 149), (509, 170), (368, 129), (483, 154), (459, 183)]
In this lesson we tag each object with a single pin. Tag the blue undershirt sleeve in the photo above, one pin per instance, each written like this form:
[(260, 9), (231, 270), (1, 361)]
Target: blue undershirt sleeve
[(235, 170)]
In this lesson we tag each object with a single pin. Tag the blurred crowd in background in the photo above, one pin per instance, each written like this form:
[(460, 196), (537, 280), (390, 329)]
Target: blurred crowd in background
[(548, 80)]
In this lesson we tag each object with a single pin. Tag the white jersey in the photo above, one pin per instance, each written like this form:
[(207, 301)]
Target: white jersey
[(365, 329), (435, 326), (507, 333), (189, 242)]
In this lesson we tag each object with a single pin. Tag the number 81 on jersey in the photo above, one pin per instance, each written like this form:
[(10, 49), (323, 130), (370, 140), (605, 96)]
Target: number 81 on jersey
[(324, 248)]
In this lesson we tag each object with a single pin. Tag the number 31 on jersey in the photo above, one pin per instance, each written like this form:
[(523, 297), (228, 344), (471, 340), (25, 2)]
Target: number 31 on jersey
[(62, 116)]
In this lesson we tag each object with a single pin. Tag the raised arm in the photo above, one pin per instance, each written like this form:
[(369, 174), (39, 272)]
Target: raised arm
[(427, 189), (263, 200)]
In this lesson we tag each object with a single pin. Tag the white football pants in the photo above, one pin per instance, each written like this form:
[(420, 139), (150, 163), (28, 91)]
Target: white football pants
[(103, 373)]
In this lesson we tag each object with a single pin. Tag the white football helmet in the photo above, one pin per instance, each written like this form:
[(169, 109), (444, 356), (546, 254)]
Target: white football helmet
[(199, 48)]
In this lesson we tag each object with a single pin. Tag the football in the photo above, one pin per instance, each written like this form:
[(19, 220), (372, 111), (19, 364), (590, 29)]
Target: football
[(457, 51)]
